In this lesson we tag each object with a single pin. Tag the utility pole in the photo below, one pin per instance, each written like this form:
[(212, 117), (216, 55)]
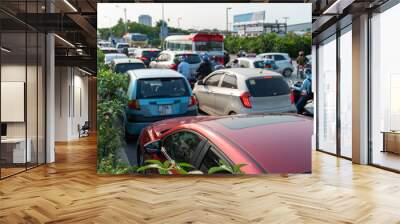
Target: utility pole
[(162, 27), (227, 25), (179, 20), (126, 22)]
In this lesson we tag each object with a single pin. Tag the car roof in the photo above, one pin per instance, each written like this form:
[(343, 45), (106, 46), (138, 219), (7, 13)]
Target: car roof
[(261, 139), (154, 73), (252, 59), (148, 49), (179, 52), (271, 53), (250, 72), (264, 139), (115, 54), (127, 60)]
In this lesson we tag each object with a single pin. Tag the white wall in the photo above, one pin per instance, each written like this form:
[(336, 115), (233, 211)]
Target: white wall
[(71, 102)]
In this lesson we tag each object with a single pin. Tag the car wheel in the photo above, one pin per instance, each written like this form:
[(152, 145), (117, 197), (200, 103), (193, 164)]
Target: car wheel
[(130, 137), (287, 72), (139, 157)]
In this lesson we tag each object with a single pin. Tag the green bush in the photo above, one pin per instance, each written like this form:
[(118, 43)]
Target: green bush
[(111, 103), (271, 42)]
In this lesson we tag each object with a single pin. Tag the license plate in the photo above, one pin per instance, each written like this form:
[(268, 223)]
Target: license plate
[(165, 109)]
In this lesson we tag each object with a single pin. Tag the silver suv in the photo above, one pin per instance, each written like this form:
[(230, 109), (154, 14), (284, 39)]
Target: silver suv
[(168, 59), (282, 60), (243, 90)]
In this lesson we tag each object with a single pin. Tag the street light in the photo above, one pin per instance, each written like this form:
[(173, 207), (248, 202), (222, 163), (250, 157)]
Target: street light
[(179, 20), (227, 26), (125, 22)]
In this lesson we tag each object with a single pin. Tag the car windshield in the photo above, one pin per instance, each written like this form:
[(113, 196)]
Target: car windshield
[(267, 86), (259, 64), (122, 45), (150, 54), (124, 67), (190, 58), (162, 88), (208, 46)]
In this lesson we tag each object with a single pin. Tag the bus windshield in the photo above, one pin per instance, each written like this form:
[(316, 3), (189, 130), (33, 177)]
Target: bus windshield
[(208, 46)]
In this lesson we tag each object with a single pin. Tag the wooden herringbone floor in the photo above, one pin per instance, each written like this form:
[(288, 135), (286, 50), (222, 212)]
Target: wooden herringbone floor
[(70, 191)]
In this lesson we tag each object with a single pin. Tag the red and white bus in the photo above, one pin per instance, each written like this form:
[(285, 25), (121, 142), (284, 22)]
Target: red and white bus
[(212, 44)]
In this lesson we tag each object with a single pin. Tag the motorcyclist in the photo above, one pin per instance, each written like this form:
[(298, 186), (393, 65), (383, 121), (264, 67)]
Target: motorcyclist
[(305, 93), (301, 62), (205, 67)]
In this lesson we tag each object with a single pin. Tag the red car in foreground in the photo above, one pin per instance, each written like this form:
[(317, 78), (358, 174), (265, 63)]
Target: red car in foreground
[(267, 143)]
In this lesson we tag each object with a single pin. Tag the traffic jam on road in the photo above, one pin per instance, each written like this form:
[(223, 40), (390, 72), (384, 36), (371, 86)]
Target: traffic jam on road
[(192, 102)]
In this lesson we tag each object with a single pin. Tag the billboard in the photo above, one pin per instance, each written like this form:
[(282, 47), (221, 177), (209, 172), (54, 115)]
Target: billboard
[(249, 17)]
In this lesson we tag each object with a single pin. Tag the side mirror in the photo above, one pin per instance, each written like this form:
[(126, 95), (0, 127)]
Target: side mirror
[(200, 82), (153, 147)]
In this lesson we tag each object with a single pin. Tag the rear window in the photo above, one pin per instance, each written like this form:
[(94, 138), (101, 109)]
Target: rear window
[(191, 58), (267, 86), (123, 46), (162, 88), (279, 57), (150, 54), (124, 67)]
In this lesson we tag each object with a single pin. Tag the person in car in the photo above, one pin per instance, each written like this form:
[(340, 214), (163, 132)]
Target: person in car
[(205, 67), (183, 67), (305, 93)]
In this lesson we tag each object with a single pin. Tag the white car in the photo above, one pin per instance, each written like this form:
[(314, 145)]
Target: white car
[(109, 57), (243, 90), (167, 59), (282, 60), (121, 46), (123, 65), (251, 62)]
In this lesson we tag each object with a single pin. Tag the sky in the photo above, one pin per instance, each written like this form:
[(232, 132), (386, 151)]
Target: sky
[(201, 15)]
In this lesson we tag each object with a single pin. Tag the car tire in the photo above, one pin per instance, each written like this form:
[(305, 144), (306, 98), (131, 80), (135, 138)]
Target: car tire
[(139, 157), (287, 72), (129, 137)]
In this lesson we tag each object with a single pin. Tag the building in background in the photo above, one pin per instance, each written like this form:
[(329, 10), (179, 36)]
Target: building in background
[(300, 28), (253, 24), (145, 20)]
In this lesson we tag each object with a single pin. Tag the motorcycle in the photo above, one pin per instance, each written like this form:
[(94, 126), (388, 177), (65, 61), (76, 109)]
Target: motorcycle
[(295, 95)]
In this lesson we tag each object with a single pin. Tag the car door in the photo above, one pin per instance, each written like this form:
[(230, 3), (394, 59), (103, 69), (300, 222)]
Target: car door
[(182, 146), (225, 94), (206, 96), (280, 61), (210, 157)]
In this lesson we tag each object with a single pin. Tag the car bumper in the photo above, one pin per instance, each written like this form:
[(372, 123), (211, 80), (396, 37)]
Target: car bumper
[(135, 123), (288, 109)]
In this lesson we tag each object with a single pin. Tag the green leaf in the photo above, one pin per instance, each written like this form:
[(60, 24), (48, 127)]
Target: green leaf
[(218, 169)]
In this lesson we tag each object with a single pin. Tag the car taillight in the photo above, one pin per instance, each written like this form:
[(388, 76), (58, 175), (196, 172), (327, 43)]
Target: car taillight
[(134, 104), (245, 98), (292, 97), (143, 58), (173, 66), (192, 101)]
